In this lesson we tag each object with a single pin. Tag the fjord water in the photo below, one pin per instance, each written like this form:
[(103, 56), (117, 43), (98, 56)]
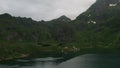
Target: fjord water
[(82, 61)]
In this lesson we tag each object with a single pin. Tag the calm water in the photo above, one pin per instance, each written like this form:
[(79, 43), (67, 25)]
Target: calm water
[(82, 61)]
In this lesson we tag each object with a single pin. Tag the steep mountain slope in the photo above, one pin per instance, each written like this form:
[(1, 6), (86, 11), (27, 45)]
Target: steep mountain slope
[(101, 23), (101, 11)]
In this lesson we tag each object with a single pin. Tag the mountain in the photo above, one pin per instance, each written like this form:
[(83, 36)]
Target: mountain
[(100, 24), (101, 11), (61, 29), (20, 36), (63, 19), (97, 29)]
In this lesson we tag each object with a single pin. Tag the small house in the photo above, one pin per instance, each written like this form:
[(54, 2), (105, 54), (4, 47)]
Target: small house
[(112, 5)]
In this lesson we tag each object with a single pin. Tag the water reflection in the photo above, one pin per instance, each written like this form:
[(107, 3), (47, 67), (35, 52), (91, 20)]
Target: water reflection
[(48, 62), (93, 61), (82, 61)]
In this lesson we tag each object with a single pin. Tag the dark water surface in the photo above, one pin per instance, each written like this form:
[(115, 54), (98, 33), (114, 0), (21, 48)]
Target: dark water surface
[(82, 61)]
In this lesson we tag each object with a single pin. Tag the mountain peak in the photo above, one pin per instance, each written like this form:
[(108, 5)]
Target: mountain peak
[(63, 18), (6, 15)]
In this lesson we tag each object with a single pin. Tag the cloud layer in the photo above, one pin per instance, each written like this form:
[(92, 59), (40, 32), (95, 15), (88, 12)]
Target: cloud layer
[(45, 9)]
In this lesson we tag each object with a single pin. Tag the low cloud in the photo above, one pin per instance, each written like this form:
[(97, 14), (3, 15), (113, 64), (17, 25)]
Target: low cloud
[(45, 9)]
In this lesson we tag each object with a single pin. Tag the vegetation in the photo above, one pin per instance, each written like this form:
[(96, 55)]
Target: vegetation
[(97, 28)]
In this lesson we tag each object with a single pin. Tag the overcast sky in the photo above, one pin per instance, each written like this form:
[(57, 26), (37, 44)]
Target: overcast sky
[(45, 9)]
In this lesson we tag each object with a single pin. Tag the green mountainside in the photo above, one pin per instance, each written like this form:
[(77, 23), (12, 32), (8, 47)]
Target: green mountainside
[(96, 28)]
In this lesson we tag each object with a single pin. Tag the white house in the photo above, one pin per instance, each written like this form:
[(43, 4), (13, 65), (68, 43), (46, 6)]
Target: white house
[(112, 5)]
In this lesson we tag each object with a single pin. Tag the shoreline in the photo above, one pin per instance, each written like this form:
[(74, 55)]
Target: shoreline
[(22, 56), (62, 54)]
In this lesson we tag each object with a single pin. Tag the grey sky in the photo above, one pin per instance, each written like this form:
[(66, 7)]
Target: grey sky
[(45, 9)]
